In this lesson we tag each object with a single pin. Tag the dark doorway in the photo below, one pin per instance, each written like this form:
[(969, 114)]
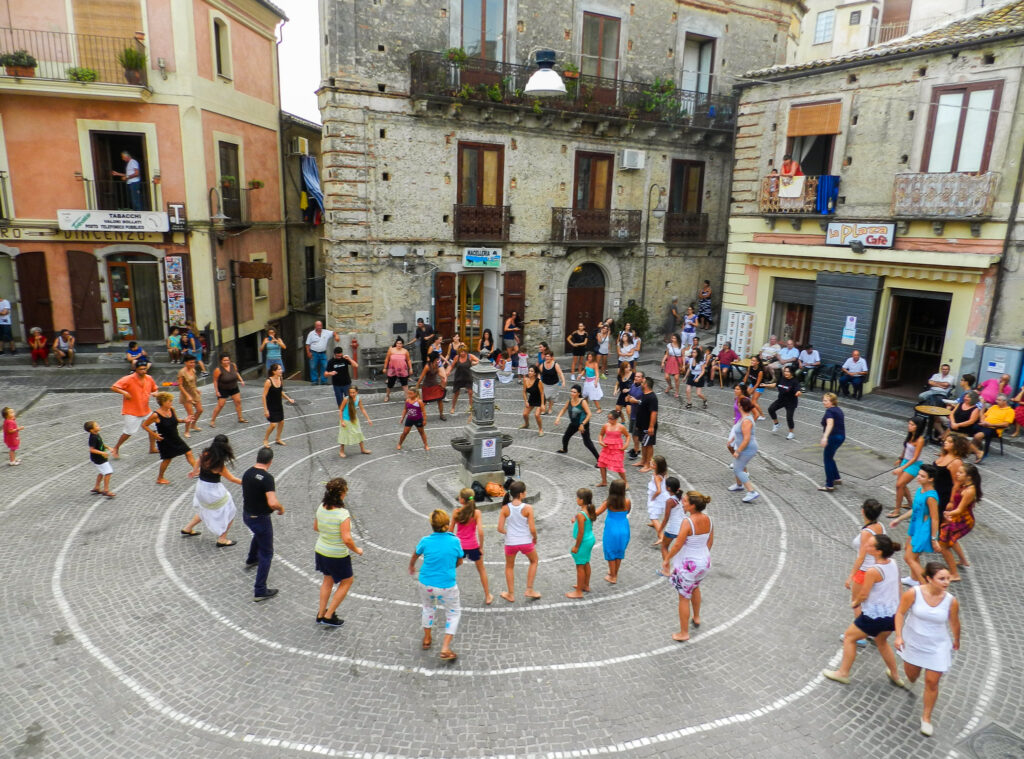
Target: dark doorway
[(135, 297), (85, 297), (584, 301), (34, 288), (110, 192), (813, 152), (917, 332), (230, 182)]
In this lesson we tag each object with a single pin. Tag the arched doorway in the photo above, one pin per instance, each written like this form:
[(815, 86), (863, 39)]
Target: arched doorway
[(135, 297), (584, 300)]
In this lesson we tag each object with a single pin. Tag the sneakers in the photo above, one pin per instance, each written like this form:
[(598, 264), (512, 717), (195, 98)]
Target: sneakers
[(16, 462), (790, 436), (927, 729), (633, 454), (331, 621), (735, 488), (909, 581), (271, 592), (751, 497), (775, 427)]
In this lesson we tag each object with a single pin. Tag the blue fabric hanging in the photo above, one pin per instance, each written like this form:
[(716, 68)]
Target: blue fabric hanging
[(828, 194), (311, 186)]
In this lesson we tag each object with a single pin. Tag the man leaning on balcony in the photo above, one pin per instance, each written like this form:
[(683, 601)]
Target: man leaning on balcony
[(132, 176)]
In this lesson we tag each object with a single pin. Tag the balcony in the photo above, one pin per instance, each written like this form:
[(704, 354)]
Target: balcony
[(235, 205), (500, 85), (581, 226), (112, 195), (945, 197), (481, 223), (686, 227), (818, 197), (74, 65)]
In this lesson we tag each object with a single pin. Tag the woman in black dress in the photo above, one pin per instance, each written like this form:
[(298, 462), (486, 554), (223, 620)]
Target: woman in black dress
[(226, 380), (623, 381), (533, 397), (273, 408), (462, 376), (168, 442)]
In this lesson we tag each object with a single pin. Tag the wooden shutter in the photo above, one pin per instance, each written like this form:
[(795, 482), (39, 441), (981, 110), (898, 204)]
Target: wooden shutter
[(85, 297), (34, 289), (444, 304), (816, 118), (514, 288)]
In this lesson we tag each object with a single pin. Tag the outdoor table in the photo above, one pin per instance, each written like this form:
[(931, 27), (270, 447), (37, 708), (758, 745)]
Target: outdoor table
[(934, 413)]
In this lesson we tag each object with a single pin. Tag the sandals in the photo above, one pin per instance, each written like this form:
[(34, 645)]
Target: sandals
[(892, 515), (449, 656)]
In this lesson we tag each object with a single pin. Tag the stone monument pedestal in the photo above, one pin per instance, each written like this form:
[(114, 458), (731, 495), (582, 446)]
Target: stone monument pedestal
[(482, 444)]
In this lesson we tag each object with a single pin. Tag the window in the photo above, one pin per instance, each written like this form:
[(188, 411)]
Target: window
[(483, 29), (687, 187), (854, 18), (961, 125), (698, 63), (480, 174), (107, 191), (221, 48), (824, 24), (259, 289), (230, 181), (593, 190), (600, 46)]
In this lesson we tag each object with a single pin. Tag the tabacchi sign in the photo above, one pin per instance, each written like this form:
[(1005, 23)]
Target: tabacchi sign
[(112, 221), (872, 235)]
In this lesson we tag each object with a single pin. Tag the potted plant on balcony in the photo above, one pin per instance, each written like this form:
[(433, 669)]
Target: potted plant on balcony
[(227, 181), (82, 74), (255, 184), (571, 71), (19, 63), (658, 96), (456, 55), (133, 61)]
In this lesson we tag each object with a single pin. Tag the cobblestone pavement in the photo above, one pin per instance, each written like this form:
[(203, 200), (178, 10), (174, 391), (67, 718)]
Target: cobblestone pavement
[(121, 639)]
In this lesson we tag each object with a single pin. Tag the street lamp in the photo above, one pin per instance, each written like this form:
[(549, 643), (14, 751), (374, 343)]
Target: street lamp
[(545, 81), (658, 211)]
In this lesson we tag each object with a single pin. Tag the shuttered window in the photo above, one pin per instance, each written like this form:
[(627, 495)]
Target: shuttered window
[(814, 118)]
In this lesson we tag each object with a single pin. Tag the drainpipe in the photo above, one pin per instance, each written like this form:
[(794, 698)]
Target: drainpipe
[(1011, 222)]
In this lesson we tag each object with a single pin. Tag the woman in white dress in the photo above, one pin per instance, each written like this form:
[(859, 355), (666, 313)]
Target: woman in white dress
[(591, 383), (926, 615), (213, 503)]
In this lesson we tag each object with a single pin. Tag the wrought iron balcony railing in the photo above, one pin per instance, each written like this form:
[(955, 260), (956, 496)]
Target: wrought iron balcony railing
[(114, 195), (65, 57), (481, 223), (436, 76), (944, 196), (686, 227), (814, 195), (581, 225)]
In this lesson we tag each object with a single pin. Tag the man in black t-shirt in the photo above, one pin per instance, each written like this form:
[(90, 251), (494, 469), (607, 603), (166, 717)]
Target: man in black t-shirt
[(259, 500), (337, 370), (424, 336), (646, 423)]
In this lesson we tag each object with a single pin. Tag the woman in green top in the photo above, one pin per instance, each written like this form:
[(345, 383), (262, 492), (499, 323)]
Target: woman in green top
[(334, 525), (349, 431), (583, 535)]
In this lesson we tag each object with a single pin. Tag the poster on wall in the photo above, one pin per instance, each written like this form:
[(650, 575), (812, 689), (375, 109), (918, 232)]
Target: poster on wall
[(175, 279), (123, 316), (850, 330)]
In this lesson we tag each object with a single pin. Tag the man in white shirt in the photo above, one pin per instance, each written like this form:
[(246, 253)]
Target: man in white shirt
[(132, 176), (789, 354), (855, 369), (6, 336), (770, 350), (809, 362), (939, 387), (316, 352)]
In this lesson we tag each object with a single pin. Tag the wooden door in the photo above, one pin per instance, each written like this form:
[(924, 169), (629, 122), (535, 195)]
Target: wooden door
[(514, 296), (85, 297), (444, 304), (583, 304), (34, 288)]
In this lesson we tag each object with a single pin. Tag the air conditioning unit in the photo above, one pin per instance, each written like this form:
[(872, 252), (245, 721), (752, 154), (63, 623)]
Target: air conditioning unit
[(298, 146), (632, 159)]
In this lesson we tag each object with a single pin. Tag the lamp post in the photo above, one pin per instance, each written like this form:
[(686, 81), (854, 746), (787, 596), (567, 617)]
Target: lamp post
[(216, 220), (658, 211)]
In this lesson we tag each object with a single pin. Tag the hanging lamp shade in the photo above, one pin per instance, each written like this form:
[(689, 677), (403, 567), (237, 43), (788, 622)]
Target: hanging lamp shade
[(545, 81)]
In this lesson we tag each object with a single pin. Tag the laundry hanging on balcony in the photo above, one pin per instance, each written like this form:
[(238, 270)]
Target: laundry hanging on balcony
[(312, 196)]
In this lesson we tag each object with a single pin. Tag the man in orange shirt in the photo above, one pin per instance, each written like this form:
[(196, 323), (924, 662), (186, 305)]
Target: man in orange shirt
[(136, 388)]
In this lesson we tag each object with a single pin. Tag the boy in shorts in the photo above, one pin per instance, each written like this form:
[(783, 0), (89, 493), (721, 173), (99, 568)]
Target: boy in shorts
[(99, 456)]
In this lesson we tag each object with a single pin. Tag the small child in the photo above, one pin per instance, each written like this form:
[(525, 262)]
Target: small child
[(469, 529), (99, 456), (516, 523), (657, 494), (524, 362), (174, 346), (134, 353), (11, 437), (414, 415), (583, 534)]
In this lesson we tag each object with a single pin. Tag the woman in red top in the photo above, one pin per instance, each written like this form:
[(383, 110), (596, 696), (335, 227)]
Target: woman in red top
[(37, 342), (791, 168)]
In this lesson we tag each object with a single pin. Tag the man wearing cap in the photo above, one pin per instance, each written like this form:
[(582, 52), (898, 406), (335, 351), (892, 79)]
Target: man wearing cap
[(136, 390)]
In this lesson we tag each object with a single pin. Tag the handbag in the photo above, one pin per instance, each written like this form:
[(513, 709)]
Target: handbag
[(508, 466)]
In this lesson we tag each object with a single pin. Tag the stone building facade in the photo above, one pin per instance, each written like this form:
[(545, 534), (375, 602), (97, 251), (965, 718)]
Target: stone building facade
[(452, 195), (901, 239)]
